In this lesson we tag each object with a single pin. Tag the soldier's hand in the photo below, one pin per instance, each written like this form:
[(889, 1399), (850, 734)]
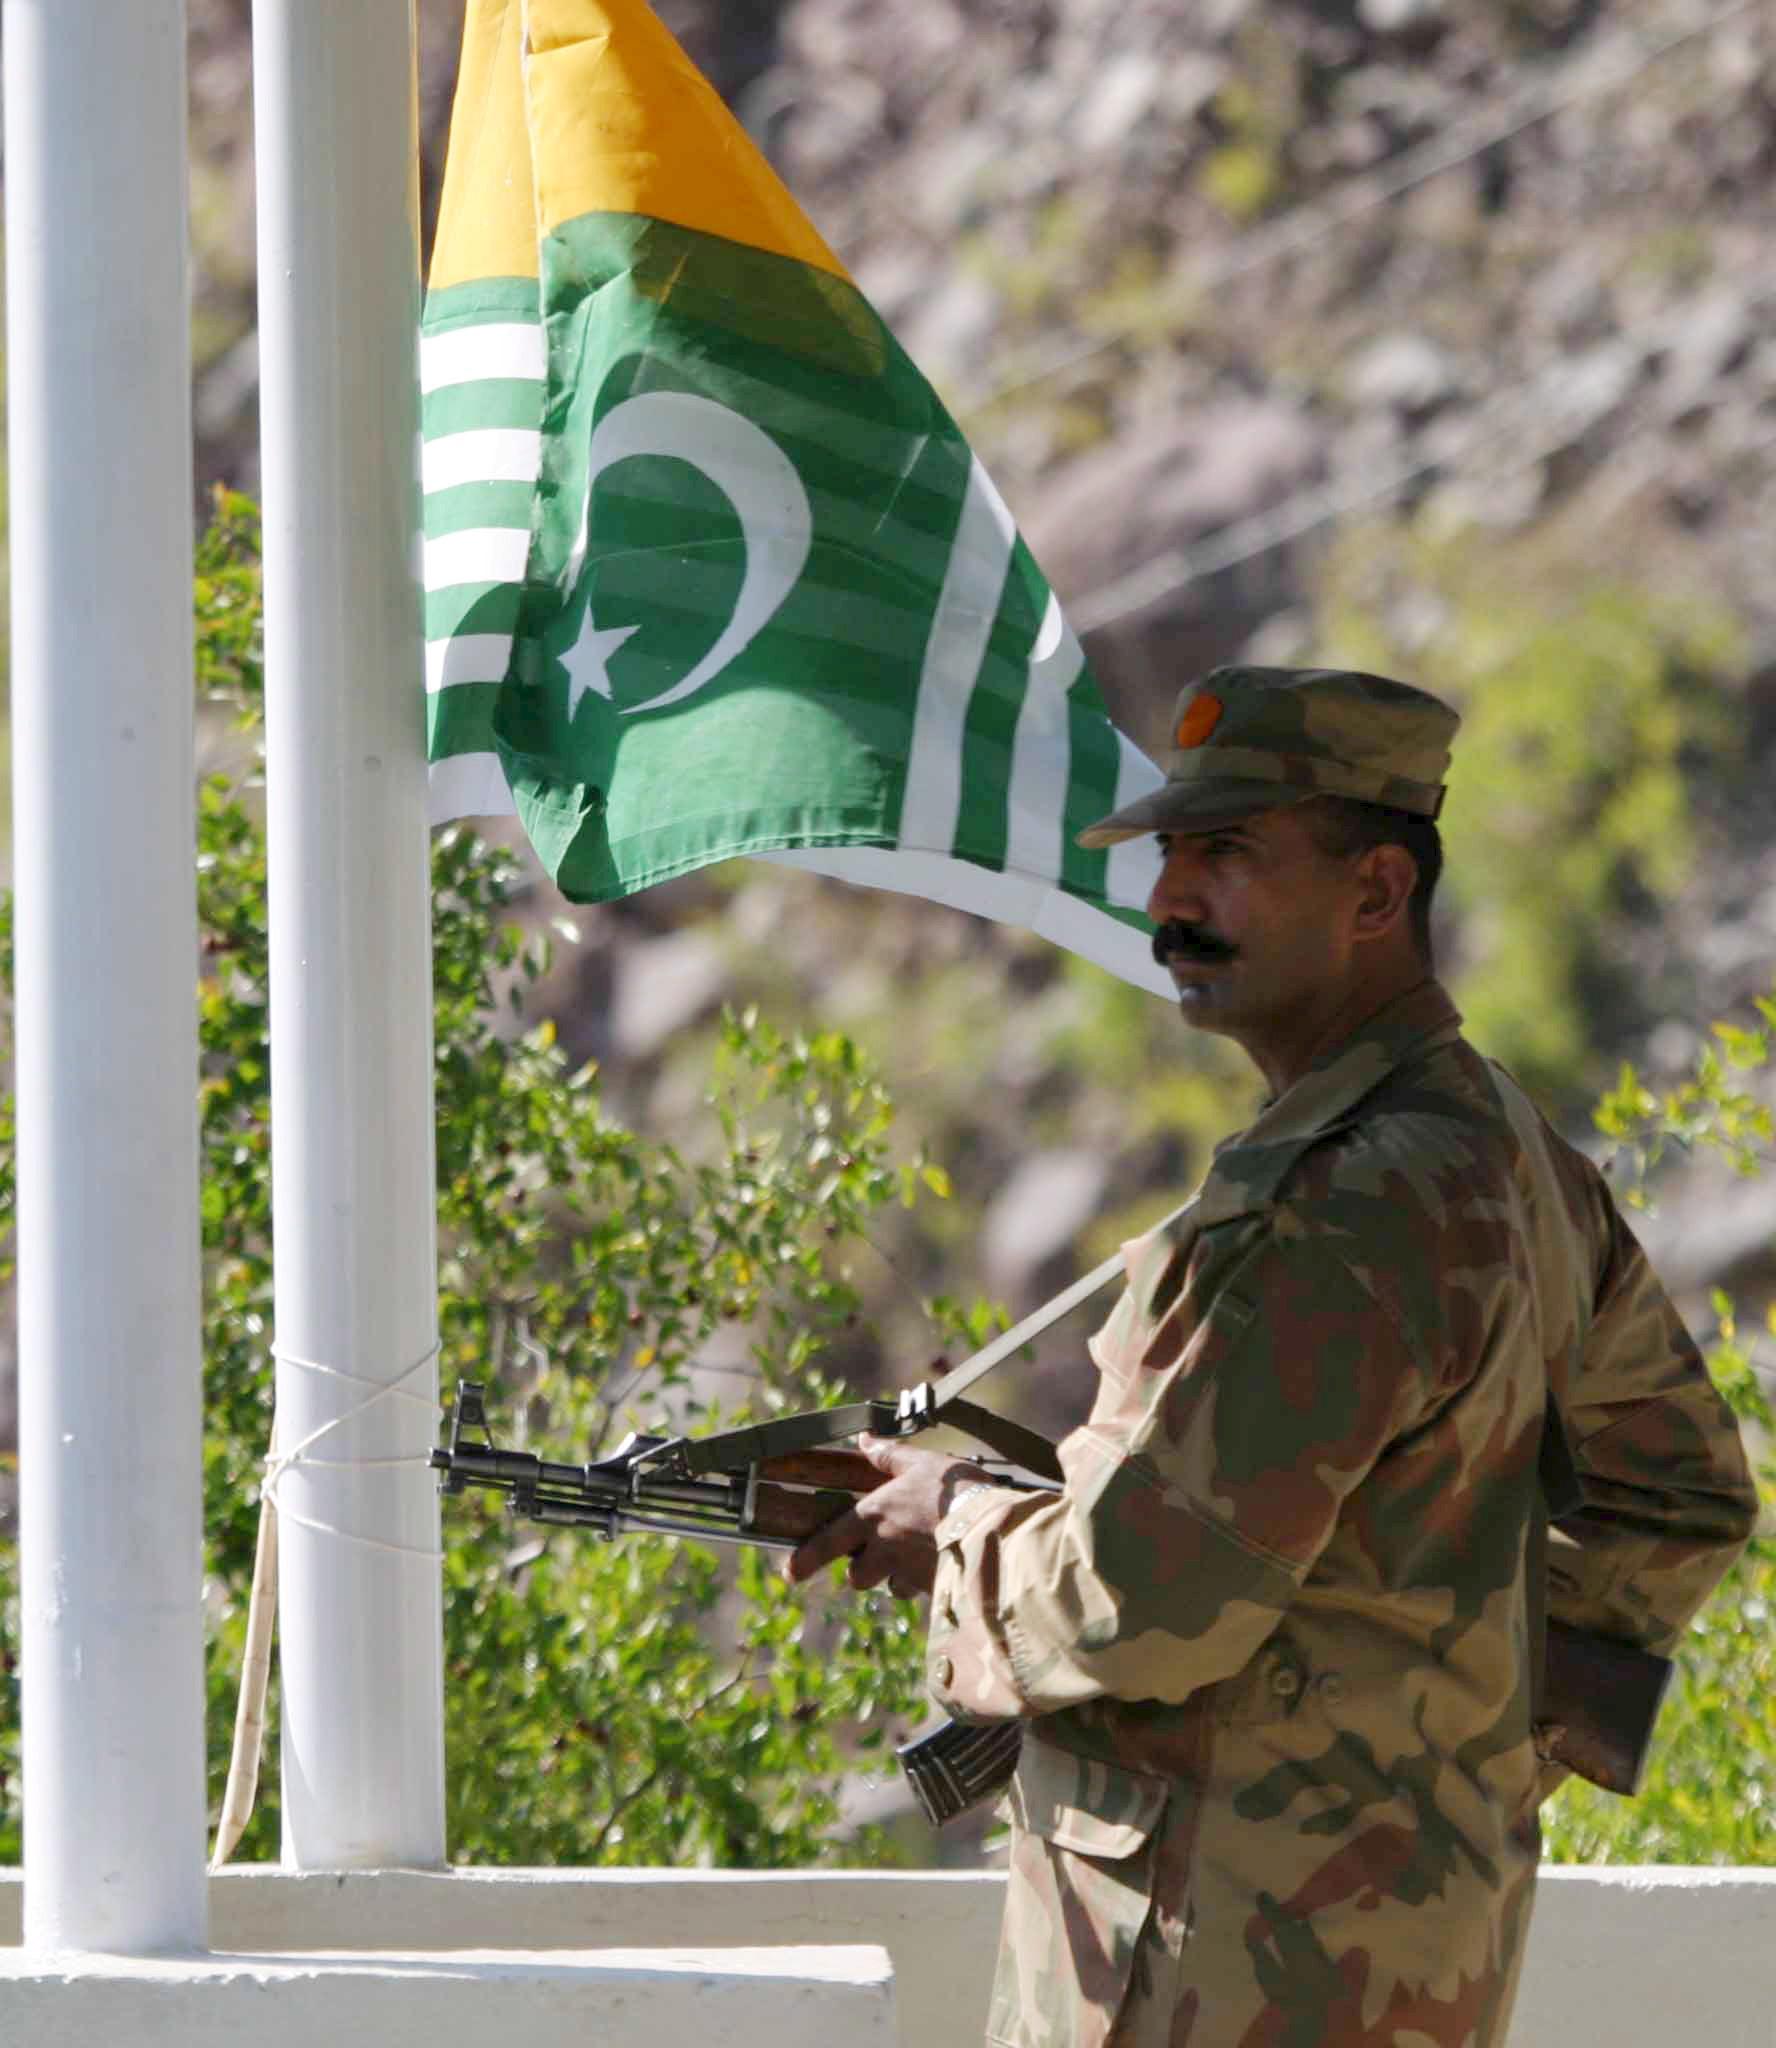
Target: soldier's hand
[(889, 1534)]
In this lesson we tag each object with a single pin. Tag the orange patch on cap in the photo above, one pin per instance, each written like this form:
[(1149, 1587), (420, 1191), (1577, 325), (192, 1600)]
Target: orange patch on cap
[(1198, 721)]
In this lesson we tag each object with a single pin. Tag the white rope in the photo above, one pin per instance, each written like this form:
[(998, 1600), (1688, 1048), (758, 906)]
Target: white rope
[(278, 1462), (426, 1553), (241, 1791), (1527, 104)]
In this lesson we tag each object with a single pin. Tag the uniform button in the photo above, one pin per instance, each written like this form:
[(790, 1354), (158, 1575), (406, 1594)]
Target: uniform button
[(946, 1616), (942, 1671), (1331, 1687), (1285, 1681)]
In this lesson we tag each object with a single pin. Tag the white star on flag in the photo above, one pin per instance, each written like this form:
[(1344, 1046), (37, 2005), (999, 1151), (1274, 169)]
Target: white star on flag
[(585, 660)]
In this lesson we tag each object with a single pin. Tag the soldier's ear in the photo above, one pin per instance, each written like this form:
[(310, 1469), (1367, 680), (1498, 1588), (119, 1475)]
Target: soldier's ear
[(1387, 876)]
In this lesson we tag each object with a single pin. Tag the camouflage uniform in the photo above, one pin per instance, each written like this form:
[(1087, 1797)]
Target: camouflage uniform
[(1280, 1786)]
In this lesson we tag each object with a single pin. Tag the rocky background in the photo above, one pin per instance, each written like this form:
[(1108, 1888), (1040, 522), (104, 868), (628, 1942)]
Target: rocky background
[(1424, 334)]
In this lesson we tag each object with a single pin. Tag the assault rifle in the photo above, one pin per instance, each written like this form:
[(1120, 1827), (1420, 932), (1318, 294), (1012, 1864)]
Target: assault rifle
[(774, 1483), (771, 1484)]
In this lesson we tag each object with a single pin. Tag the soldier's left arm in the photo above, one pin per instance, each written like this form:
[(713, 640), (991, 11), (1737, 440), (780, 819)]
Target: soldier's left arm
[(1669, 1499), (1227, 1434)]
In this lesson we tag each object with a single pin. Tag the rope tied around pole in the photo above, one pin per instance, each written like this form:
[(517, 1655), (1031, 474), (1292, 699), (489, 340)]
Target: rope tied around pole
[(277, 1462), (242, 1788)]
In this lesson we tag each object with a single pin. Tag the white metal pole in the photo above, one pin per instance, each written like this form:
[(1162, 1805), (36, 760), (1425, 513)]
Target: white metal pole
[(360, 1651), (110, 1397)]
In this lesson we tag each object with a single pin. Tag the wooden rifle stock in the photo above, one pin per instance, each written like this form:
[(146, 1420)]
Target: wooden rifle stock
[(1600, 1699)]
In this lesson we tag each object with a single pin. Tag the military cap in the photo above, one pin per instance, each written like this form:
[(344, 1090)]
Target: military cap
[(1253, 739)]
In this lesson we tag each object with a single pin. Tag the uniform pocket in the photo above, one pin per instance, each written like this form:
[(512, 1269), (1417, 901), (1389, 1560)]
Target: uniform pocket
[(1096, 1809), (1079, 1898)]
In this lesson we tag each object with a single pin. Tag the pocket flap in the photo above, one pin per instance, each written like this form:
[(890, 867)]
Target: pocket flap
[(1097, 1809)]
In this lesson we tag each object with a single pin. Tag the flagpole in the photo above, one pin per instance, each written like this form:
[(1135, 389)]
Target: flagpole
[(361, 1739), (99, 415)]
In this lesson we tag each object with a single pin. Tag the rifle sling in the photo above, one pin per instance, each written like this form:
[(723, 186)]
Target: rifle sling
[(1012, 1441), (934, 1401), (940, 1401), (919, 1408), (735, 1449), (955, 1383)]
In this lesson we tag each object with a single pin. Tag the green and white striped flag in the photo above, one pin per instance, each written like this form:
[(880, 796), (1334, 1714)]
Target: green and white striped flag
[(709, 569)]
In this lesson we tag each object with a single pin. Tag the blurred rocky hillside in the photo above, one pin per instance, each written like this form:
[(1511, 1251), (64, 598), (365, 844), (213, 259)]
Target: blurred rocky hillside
[(1424, 334)]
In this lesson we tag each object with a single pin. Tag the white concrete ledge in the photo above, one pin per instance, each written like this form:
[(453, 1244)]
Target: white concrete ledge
[(1651, 1955), (1617, 1957), (665, 1998), (939, 1930)]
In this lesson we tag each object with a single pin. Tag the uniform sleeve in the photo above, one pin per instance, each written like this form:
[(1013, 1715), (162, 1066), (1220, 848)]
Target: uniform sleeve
[(1669, 1500), (1225, 1437)]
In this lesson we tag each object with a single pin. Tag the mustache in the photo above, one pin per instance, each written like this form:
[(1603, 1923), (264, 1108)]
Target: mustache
[(1176, 940)]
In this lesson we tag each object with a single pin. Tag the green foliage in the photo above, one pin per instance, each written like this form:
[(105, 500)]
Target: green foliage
[(628, 1703), (1190, 1085), (1677, 256), (1242, 178), (1572, 811), (1711, 1109), (1255, 118), (636, 1702), (1710, 1789), (1587, 724)]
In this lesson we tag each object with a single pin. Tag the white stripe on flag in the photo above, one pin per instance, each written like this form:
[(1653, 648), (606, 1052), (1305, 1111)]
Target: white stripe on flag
[(468, 786), (1042, 752), (479, 554), (1133, 867), (973, 581), (467, 658), (467, 355), (957, 884), (484, 455), (1118, 948), (1008, 899)]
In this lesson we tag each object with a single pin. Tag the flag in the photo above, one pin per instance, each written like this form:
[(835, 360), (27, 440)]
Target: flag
[(709, 569)]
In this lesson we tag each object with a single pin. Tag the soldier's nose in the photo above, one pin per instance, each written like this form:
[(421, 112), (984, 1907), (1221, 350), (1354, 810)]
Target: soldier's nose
[(1175, 894)]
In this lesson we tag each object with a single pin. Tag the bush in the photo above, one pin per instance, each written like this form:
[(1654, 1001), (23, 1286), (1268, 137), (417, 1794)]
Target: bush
[(1710, 1790), (1593, 717), (637, 1702)]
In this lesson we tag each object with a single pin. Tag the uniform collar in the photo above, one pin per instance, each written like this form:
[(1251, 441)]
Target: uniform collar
[(1249, 1168)]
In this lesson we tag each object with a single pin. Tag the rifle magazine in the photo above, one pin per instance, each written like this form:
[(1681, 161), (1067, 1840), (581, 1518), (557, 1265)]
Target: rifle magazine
[(958, 1764)]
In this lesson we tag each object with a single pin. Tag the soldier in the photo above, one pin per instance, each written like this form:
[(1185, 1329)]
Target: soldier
[(1276, 1643)]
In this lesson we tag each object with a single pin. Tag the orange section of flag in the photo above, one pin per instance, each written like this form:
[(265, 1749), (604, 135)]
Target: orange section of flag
[(622, 122), (487, 211), (570, 107)]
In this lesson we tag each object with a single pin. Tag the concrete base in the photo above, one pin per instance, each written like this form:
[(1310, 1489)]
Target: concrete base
[(665, 1998), (1619, 1957), (939, 1931), (1651, 1954)]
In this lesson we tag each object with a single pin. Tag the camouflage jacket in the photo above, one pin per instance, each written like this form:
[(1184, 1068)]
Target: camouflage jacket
[(1275, 1637)]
